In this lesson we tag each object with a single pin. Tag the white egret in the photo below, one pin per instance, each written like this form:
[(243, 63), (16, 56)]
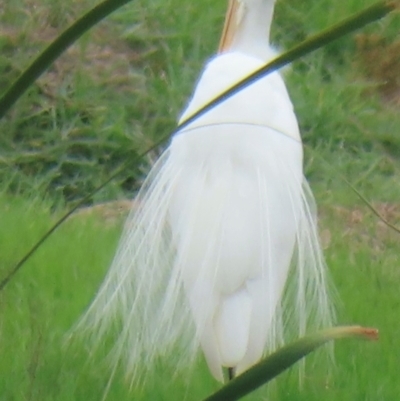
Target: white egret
[(204, 260)]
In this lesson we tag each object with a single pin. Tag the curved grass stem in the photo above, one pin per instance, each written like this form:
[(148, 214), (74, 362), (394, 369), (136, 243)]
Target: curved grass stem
[(54, 50), (283, 359)]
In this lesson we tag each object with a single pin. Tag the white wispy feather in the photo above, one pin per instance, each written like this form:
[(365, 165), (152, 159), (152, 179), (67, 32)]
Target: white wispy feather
[(203, 261)]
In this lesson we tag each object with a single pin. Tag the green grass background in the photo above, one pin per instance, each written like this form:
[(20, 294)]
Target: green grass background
[(111, 96)]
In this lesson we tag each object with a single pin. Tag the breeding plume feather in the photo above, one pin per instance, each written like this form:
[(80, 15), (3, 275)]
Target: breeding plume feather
[(223, 218)]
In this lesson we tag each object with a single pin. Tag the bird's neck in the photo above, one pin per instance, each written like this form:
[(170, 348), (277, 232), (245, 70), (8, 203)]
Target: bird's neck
[(253, 30)]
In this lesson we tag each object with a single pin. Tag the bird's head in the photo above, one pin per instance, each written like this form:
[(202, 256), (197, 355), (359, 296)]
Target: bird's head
[(245, 15)]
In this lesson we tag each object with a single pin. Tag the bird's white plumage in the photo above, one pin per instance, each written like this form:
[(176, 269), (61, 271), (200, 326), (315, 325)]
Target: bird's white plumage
[(204, 260), (265, 103)]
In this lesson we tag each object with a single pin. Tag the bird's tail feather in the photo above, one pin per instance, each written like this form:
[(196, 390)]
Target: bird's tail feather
[(142, 299)]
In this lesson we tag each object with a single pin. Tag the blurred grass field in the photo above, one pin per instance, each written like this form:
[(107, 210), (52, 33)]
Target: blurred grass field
[(44, 301), (111, 96)]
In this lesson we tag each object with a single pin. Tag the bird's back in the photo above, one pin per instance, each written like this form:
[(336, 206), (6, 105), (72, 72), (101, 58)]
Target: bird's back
[(265, 102), (235, 208)]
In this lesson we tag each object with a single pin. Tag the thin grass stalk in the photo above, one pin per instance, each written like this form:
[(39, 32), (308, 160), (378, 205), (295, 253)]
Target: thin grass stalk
[(363, 199), (357, 21)]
